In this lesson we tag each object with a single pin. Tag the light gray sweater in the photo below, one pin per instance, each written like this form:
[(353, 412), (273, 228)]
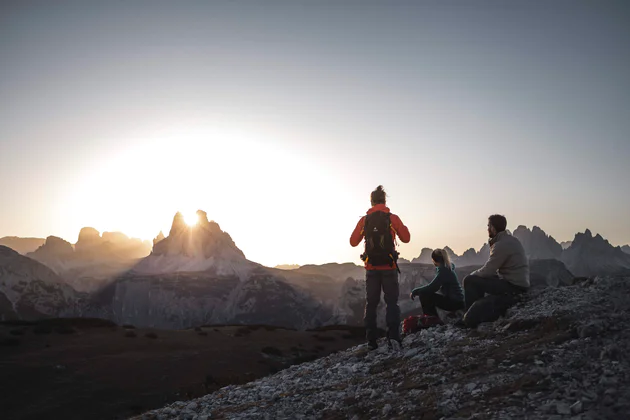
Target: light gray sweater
[(507, 260)]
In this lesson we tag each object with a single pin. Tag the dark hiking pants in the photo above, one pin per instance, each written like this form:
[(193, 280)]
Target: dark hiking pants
[(431, 300), (476, 288), (387, 281)]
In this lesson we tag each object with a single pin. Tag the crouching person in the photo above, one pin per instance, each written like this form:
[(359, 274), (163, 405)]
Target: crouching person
[(504, 276), (443, 292)]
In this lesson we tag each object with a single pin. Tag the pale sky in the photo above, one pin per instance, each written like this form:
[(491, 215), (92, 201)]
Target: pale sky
[(279, 118)]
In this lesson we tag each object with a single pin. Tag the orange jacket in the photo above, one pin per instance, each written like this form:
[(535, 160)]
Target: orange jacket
[(398, 229)]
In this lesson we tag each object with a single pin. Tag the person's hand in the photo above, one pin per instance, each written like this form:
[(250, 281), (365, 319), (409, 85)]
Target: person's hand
[(412, 296)]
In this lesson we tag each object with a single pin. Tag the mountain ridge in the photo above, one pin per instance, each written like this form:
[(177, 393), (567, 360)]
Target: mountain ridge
[(30, 290), (585, 255), (20, 244)]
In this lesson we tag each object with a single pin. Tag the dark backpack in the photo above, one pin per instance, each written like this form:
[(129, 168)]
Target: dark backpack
[(379, 243)]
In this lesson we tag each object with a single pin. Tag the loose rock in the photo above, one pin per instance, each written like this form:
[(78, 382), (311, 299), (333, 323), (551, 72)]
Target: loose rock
[(569, 361)]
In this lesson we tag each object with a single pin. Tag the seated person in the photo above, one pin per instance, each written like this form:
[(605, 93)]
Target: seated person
[(507, 270), (444, 291)]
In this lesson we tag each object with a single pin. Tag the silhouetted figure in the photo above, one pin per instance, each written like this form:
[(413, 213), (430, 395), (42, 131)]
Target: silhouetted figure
[(379, 228), (506, 273), (444, 291)]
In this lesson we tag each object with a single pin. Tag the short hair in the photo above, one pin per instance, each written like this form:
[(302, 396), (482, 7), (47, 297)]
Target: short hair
[(499, 222), (378, 195)]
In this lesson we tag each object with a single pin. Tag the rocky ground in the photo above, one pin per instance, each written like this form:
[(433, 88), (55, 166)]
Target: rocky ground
[(561, 354)]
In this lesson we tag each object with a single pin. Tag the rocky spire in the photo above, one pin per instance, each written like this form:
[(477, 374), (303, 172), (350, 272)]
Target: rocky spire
[(179, 225), (591, 255), (197, 247), (88, 237), (158, 238), (538, 245)]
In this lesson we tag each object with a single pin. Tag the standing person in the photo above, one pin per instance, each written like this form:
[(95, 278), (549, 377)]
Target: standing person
[(379, 228), (507, 270), (444, 291)]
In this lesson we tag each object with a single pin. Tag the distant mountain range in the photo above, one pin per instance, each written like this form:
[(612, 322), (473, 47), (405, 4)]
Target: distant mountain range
[(538, 244), (89, 239), (22, 245), (468, 258), (94, 260), (197, 275), (586, 255)]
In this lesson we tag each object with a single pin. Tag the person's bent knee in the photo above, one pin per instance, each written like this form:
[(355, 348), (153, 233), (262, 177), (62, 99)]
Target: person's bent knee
[(424, 295), (467, 280), (470, 280)]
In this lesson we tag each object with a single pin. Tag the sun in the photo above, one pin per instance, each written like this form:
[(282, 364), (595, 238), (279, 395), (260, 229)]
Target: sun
[(191, 219)]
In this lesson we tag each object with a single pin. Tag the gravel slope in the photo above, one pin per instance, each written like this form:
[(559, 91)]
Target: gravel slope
[(561, 354)]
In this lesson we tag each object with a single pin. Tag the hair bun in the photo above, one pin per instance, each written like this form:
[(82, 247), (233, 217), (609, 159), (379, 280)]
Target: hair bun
[(378, 196)]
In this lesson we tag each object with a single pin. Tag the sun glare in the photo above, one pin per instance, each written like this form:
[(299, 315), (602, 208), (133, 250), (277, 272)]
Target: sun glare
[(191, 219), (247, 160)]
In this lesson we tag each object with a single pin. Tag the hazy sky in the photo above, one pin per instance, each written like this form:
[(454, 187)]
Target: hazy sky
[(279, 117)]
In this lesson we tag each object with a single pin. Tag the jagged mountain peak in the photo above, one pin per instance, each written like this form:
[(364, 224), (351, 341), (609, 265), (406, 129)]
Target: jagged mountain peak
[(158, 238), (205, 239), (587, 237), (469, 252), (537, 244), (54, 245), (590, 255), (468, 258), (178, 225), (450, 252), (200, 247), (88, 237)]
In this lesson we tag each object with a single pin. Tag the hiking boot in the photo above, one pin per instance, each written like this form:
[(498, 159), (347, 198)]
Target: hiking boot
[(372, 345), (398, 341)]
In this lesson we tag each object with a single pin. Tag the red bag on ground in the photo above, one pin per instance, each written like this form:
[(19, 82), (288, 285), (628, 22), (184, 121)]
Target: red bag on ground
[(415, 323)]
